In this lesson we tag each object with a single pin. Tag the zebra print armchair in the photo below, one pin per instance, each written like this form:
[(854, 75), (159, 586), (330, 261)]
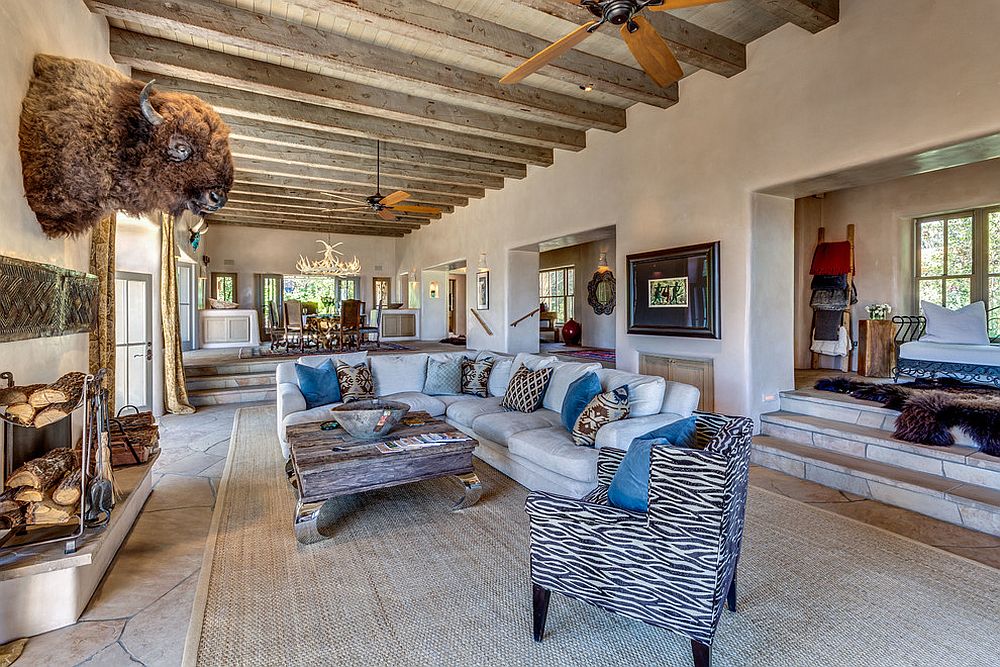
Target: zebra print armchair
[(673, 567)]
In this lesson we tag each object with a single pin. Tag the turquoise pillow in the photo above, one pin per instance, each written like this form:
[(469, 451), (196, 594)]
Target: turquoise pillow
[(580, 392), (444, 378), (318, 385), (629, 488)]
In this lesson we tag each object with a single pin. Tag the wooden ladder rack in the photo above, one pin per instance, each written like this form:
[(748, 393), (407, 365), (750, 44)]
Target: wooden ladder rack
[(847, 320)]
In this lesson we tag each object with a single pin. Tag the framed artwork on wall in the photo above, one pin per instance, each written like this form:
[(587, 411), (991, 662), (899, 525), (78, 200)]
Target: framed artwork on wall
[(675, 292), (483, 290)]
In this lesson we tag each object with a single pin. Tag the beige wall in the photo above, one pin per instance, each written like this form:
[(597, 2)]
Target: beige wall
[(883, 217), (598, 330), (883, 82), (275, 251), (28, 27)]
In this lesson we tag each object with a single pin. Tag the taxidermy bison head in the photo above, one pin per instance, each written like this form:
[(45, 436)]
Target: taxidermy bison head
[(93, 141)]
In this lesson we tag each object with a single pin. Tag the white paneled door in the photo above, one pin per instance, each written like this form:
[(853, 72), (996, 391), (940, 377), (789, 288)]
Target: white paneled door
[(133, 340)]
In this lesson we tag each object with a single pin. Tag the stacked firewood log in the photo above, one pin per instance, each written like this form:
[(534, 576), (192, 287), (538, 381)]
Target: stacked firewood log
[(133, 439), (43, 491), (39, 405)]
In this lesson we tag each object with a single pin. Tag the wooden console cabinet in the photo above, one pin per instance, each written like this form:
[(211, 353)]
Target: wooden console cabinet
[(396, 324), (697, 372)]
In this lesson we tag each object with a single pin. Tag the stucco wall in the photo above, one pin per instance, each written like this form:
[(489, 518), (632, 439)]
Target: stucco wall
[(276, 251), (893, 77), (28, 27), (883, 216)]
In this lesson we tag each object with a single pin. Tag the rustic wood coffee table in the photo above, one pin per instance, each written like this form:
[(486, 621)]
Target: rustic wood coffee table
[(328, 464)]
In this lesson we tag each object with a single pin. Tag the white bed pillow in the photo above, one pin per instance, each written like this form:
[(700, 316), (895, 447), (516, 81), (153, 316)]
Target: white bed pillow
[(965, 326)]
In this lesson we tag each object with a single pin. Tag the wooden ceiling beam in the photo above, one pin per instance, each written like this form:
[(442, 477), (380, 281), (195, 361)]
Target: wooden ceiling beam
[(323, 174), (813, 15), (342, 145), (263, 223), (254, 179), (293, 205), (236, 209), (308, 198), (243, 148), (691, 43), (434, 24), (168, 58), (323, 119), (378, 65)]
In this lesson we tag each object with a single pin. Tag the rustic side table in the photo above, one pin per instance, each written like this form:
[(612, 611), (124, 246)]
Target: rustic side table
[(876, 348)]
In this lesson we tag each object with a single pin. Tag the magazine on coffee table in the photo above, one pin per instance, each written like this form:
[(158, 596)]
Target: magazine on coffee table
[(420, 441)]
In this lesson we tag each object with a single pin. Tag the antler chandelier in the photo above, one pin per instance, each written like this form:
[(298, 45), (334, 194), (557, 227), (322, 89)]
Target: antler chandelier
[(331, 264)]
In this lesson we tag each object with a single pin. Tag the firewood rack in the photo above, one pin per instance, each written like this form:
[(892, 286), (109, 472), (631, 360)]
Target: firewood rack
[(94, 400)]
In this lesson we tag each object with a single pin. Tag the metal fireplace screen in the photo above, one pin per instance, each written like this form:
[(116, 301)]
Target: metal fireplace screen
[(39, 300)]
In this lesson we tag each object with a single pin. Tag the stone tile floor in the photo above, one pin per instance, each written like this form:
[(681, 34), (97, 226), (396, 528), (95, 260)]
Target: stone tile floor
[(140, 614)]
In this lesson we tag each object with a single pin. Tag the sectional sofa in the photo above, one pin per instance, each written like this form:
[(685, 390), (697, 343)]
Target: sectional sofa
[(532, 448)]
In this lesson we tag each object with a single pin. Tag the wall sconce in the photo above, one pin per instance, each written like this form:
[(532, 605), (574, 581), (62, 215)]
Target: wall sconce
[(602, 263), (434, 287), (482, 262)]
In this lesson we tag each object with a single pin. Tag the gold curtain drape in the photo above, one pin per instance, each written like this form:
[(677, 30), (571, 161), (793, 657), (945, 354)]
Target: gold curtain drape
[(175, 396), (102, 336)]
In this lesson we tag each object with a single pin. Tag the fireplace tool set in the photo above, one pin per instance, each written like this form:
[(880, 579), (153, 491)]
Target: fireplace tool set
[(96, 485)]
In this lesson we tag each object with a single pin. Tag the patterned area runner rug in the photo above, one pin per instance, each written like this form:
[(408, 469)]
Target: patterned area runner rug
[(404, 581)]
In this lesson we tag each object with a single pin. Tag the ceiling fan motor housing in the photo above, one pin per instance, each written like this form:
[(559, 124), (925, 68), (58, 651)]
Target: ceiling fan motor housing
[(617, 12)]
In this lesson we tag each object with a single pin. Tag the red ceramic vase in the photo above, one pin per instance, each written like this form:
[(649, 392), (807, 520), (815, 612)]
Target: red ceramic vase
[(571, 332)]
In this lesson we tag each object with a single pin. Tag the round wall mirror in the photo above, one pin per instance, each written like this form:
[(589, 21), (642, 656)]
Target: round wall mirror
[(601, 292)]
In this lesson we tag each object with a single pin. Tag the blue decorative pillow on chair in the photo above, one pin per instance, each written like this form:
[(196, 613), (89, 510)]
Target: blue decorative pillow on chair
[(580, 392), (629, 489), (319, 386)]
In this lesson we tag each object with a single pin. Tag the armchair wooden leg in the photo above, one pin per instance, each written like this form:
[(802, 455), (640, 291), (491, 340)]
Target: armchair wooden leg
[(731, 595), (702, 654), (540, 604)]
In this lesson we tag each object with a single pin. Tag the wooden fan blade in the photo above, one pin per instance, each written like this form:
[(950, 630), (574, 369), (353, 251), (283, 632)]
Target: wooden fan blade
[(394, 198), (548, 54), (651, 52), (386, 215), (344, 198), (409, 208), (680, 4)]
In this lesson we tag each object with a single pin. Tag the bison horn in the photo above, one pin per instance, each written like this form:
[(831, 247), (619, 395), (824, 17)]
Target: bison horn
[(148, 111)]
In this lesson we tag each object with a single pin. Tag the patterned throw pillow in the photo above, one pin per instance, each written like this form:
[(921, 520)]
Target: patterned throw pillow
[(476, 376), (444, 378), (603, 409), (526, 389), (356, 382)]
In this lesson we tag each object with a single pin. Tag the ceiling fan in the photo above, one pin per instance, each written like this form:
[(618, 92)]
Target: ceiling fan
[(382, 206), (649, 49)]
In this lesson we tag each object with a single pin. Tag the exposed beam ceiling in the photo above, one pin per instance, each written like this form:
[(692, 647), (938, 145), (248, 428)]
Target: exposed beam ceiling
[(309, 86)]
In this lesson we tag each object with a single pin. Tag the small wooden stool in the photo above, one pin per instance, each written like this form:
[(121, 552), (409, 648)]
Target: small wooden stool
[(876, 348)]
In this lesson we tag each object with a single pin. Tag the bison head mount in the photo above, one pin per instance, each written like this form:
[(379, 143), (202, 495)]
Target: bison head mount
[(93, 141)]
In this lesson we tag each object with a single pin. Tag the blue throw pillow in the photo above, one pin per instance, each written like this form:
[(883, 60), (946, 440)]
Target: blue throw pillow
[(580, 392), (319, 385), (629, 488)]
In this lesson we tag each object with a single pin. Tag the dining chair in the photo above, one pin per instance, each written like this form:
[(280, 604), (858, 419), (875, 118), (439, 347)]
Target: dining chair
[(350, 323), (373, 330)]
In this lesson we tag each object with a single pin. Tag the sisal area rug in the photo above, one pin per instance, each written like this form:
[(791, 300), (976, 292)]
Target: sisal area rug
[(404, 581)]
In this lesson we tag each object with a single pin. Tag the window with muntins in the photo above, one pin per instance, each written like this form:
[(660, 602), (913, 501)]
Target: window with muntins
[(958, 260), (555, 290)]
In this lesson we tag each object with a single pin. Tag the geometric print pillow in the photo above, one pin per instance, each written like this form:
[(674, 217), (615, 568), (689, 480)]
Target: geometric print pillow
[(605, 408), (356, 382), (526, 389), (476, 376)]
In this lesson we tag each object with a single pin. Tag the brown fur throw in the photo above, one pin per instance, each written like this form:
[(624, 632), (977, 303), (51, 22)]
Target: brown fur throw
[(93, 141), (928, 409)]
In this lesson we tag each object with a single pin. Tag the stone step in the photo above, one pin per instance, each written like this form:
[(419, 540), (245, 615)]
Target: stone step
[(969, 505), (234, 368), (958, 462), (232, 380), (201, 397)]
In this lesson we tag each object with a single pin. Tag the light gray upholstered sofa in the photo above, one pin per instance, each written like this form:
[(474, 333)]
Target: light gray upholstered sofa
[(532, 448)]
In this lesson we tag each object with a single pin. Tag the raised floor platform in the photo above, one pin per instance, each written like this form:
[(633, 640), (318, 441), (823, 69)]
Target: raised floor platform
[(847, 444)]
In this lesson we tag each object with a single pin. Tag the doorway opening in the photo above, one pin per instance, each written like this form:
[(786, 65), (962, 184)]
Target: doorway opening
[(451, 279)]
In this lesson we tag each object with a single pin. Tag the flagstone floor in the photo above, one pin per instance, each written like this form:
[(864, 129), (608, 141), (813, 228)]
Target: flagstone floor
[(140, 614)]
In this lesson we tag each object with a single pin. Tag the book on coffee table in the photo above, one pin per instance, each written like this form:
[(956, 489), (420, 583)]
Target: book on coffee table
[(420, 441)]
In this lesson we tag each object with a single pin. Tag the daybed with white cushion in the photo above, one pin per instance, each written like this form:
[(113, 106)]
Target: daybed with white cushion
[(532, 448), (951, 344)]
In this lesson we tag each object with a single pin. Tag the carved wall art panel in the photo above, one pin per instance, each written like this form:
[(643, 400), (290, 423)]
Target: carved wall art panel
[(39, 300)]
